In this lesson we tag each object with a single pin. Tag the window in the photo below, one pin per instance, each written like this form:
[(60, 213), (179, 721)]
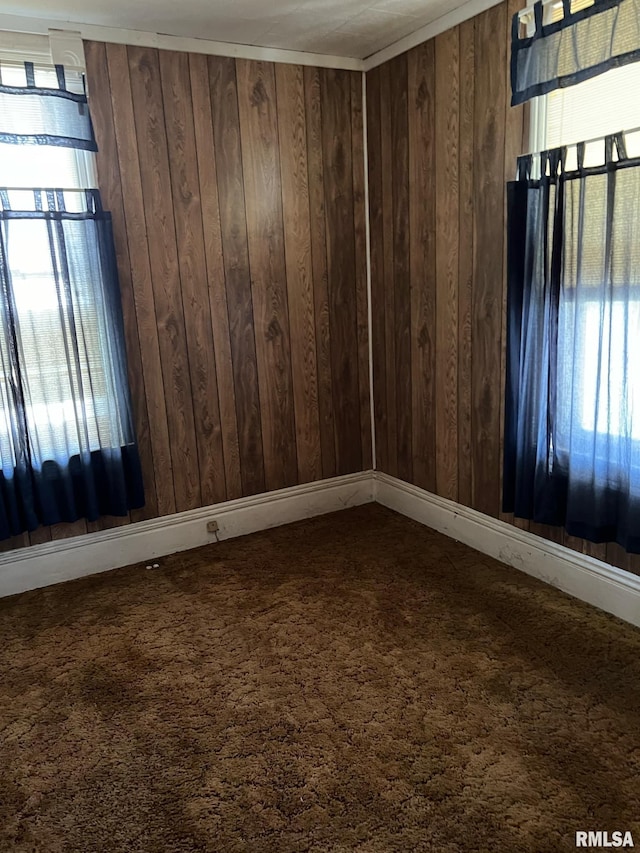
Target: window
[(589, 112), (37, 166), (67, 444), (572, 414), (36, 299)]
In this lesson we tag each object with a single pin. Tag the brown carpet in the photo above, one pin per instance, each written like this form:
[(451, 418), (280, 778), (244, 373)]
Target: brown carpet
[(351, 683)]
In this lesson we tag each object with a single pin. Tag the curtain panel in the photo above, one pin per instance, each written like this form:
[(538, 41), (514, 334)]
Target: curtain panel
[(46, 106), (572, 417), (67, 441), (582, 44)]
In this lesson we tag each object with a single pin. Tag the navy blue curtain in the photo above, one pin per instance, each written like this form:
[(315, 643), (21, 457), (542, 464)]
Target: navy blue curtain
[(578, 46), (572, 417), (33, 111), (67, 441)]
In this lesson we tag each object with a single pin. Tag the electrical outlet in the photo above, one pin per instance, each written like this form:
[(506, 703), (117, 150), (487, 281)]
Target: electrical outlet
[(212, 526)]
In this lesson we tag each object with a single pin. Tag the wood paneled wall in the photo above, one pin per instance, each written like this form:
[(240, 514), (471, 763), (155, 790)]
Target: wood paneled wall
[(442, 141), (237, 194)]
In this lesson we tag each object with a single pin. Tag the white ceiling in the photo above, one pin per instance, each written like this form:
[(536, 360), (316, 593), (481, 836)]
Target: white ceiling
[(353, 28)]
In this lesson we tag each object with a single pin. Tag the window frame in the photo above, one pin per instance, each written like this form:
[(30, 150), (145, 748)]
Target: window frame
[(537, 142)]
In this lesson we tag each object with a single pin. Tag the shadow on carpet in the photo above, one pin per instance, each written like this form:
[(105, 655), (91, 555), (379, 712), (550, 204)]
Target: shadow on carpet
[(355, 682)]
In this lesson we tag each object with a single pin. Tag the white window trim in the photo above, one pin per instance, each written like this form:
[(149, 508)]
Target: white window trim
[(59, 47), (538, 124)]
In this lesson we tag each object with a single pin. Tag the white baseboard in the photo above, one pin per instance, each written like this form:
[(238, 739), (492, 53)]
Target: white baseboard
[(144, 541), (586, 578)]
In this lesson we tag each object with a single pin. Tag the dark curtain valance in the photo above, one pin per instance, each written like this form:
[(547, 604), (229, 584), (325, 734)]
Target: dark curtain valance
[(581, 45), (40, 114)]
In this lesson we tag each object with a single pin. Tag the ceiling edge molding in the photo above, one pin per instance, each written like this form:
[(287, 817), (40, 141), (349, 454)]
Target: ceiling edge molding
[(18, 46), (446, 22), (93, 32)]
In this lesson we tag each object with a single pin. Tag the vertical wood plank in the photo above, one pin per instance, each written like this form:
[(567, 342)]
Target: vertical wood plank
[(599, 551), (22, 540), (338, 181), (489, 235), (135, 240), (317, 218), (206, 159), (388, 290), (465, 275), (263, 196), (67, 529), (135, 234), (447, 51), (171, 171), (633, 564), (183, 164), (547, 531), (226, 125), (41, 535), (401, 265), (362, 305), (109, 181), (160, 225), (573, 542), (297, 243), (376, 231), (422, 216), (617, 556), (108, 522)]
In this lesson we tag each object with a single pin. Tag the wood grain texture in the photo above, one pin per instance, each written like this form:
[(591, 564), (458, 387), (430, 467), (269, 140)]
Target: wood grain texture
[(297, 239), (463, 141), (422, 218), (465, 260), (265, 234), (335, 91), (362, 303), (388, 291), (376, 229), (212, 232), (110, 181), (489, 235), (317, 222), (40, 536), (401, 262), (12, 543), (68, 529), (155, 176), (239, 224), (183, 166), (447, 123), (134, 227), (229, 172)]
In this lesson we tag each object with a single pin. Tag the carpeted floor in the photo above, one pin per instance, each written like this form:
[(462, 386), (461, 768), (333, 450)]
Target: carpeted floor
[(351, 683)]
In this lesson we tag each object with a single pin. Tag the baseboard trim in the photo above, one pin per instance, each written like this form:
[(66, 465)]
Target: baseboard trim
[(584, 577), (605, 586), (66, 559)]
